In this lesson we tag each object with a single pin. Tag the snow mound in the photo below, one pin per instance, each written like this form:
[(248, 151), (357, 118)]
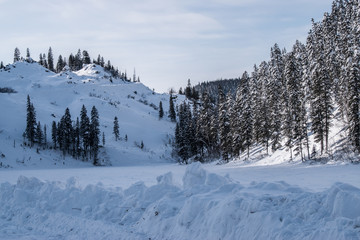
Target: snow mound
[(207, 206)]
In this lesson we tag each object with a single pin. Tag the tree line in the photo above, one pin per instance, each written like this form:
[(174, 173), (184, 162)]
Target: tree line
[(74, 62), (283, 100), (80, 138)]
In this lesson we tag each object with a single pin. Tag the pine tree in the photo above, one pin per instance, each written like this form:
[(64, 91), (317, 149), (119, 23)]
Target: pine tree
[(245, 120), (2, 65), (172, 114), (54, 134), (16, 55), (354, 99), (85, 129), (77, 138), (72, 64), (60, 64), (39, 134), (86, 57), (30, 122), (161, 111), (45, 63), (321, 106), (78, 61), (188, 90), (103, 139), (50, 60), (224, 126), (94, 134), (28, 58), (45, 136), (276, 99), (116, 129), (41, 61), (67, 131)]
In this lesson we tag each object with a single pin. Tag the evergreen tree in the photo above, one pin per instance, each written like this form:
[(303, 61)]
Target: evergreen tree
[(60, 64), (276, 98), (354, 100), (321, 106), (245, 120), (103, 139), (45, 63), (28, 58), (161, 111), (78, 61), (84, 129), (2, 65), (50, 60), (224, 126), (172, 114), (54, 134), (16, 55), (72, 63), (30, 122), (39, 134), (77, 138), (86, 57), (45, 135), (94, 134), (116, 129), (188, 90), (41, 61), (67, 131)]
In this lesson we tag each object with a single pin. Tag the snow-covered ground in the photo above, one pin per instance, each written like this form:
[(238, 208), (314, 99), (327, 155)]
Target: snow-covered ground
[(189, 202), (134, 104)]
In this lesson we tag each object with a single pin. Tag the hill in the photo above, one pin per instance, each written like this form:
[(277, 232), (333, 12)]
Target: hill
[(135, 105)]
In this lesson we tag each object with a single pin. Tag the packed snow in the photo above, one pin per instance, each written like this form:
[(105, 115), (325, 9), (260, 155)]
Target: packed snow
[(204, 205)]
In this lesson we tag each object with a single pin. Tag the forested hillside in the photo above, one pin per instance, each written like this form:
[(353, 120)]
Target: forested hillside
[(288, 102)]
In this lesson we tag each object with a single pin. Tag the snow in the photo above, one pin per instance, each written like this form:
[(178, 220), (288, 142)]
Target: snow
[(143, 193), (133, 103), (203, 205)]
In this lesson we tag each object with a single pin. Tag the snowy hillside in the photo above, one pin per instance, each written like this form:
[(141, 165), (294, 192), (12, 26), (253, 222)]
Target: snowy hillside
[(134, 104)]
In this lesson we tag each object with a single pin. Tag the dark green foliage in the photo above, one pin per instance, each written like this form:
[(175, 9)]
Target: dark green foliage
[(60, 64), (16, 55), (172, 114), (39, 134), (54, 134), (161, 111), (30, 122), (86, 57), (50, 61), (116, 129), (94, 134)]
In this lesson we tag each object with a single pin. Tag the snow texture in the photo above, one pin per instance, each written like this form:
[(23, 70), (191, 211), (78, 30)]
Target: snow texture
[(205, 206), (134, 104)]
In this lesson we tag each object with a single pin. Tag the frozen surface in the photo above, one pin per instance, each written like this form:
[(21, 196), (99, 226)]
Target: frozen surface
[(179, 202)]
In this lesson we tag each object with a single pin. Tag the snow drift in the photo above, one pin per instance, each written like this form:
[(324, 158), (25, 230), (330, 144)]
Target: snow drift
[(206, 206)]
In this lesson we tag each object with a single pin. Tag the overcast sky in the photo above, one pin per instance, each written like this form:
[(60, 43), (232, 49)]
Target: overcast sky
[(166, 41)]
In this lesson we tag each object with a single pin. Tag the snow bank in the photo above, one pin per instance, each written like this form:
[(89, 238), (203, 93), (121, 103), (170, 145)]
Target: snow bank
[(207, 206)]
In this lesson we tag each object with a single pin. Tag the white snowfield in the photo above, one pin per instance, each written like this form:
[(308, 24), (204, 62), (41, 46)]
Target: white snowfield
[(145, 195), (204, 206)]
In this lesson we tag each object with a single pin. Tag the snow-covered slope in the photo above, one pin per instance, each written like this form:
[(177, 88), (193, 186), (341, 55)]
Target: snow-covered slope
[(133, 103)]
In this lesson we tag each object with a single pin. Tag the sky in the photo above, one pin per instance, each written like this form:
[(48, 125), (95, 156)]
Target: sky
[(166, 42)]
